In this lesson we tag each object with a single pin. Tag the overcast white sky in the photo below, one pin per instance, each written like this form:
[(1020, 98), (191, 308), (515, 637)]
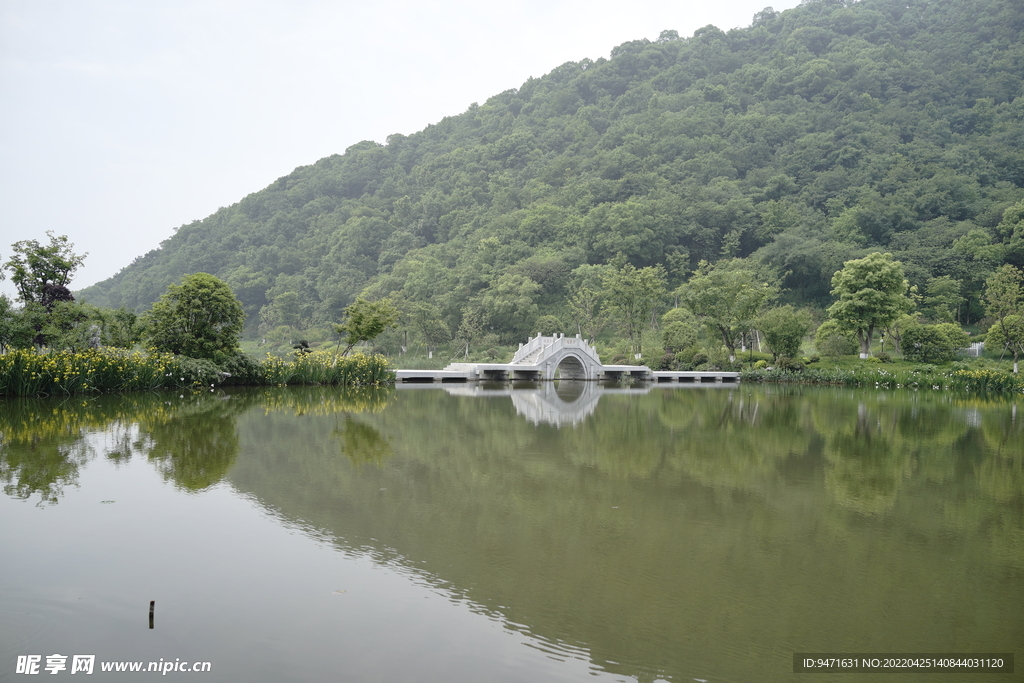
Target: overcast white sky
[(121, 120)]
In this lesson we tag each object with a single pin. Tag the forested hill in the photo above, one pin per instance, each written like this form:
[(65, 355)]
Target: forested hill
[(809, 138)]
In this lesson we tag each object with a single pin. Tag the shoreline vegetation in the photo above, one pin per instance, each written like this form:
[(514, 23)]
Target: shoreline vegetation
[(109, 370), (25, 373)]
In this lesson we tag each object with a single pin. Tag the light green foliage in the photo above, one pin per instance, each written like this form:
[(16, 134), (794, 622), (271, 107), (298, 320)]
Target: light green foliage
[(727, 297), (678, 336), (942, 299), (471, 327), (1004, 292), (871, 293), (548, 325), (832, 341), (511, 306), (933, 343), (1004, 299), (199, 317), (586, 300), (1010, 232), (680, 330), (426, 319), (633, 295), (784, 330), (1008, 334), (364, 320), (35, 267)]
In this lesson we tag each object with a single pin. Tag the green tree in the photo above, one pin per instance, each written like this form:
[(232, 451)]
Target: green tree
[(199, 317), (632, 295), (471, 326), (784, 330), (727, 298), (16, 329), (1004, 299), (1008, 334), (833, 341), (1004, 292), (42, 272), (679, 330), (426, 318), (933, 343), (871, 293), (511, 305), (364, 320), (942, 299)]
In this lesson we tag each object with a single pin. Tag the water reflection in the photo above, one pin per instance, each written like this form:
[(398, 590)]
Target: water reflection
[(671, 533), (192, 439), (676, 534), (560, 403)]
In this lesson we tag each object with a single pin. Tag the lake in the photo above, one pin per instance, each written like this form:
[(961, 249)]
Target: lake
[(547, 532)]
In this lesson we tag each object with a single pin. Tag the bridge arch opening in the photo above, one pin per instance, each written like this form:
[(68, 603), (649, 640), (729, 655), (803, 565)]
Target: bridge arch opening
[(570, 367)]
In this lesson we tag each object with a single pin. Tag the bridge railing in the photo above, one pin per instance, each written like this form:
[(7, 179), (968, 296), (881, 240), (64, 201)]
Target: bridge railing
[(552, 345)]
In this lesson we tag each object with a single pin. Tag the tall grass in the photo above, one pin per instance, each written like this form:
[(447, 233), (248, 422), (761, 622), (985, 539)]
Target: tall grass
[(32, 373), (925, 377), (328, 367)]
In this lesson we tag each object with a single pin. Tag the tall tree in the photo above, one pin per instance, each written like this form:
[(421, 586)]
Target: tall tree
[(871, 293), (727, 297), (784, 330), (632, 295), (365, 320), (42, 272), (1004, 300), (199, 317)]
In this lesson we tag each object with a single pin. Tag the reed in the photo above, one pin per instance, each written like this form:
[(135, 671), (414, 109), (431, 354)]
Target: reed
[(32, 373)]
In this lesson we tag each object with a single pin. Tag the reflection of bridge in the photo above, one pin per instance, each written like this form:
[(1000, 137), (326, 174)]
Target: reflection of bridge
[(557, 357), (562, 403)]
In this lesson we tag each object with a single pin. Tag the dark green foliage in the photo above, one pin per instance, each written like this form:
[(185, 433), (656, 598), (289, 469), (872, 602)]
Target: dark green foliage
[(811, 138), (198, 318), (926, 344), (240, 369)]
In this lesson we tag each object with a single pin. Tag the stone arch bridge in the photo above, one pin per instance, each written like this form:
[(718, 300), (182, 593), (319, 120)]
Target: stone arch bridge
[(557, 357)]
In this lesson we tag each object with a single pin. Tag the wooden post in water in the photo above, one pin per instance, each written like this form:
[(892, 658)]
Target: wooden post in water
[(152, 605)]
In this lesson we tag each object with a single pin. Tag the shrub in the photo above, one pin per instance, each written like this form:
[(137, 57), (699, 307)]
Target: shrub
[(243, 370), (883, 357), (761, 365), (932, 343), (790, 365), (833, 342)]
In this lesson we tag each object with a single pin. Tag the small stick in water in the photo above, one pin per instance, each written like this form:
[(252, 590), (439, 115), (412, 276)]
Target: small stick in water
[(152, 605)]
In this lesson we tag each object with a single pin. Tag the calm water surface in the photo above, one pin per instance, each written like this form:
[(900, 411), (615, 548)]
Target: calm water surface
[(545, 533)]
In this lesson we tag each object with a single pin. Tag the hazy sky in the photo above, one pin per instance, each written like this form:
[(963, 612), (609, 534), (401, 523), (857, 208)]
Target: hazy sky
[(121, 120)]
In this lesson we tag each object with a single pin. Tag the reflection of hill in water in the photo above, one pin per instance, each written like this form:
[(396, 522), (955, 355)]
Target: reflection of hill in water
[(681, 533)]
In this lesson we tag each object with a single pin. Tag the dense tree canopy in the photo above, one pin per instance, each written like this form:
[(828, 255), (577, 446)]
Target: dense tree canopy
[(42, 272), (199, 317), (870, 293), (811, 138)]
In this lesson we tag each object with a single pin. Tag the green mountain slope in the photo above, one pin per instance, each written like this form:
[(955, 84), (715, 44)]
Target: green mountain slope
[(809, 138)]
